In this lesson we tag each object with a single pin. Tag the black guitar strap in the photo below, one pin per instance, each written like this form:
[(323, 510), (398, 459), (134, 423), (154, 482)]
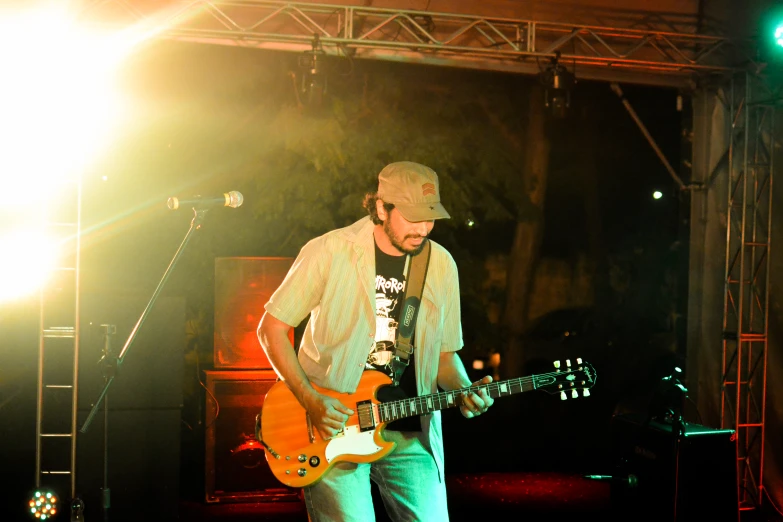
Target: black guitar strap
[(414, 286)]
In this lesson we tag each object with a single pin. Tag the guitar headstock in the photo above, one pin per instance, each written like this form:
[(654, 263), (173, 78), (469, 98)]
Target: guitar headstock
[(570, 381)]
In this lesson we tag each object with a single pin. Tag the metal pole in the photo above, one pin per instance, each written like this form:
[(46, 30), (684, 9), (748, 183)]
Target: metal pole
[(648, 136)]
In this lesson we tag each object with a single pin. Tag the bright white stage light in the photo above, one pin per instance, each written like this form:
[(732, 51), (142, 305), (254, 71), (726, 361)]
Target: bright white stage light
[(657, 194), (57, 100), (27, 261)]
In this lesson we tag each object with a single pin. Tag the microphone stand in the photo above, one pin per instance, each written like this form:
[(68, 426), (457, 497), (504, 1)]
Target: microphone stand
[(113, 364), (109, 369)]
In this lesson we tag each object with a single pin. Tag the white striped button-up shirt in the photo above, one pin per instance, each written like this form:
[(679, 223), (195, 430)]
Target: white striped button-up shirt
[(333, 280)]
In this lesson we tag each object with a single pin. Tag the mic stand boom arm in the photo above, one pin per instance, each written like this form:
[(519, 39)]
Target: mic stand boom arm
[(195, 224)]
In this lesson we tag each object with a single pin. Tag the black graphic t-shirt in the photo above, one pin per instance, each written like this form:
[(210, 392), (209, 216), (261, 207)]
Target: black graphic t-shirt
[(389, 293)]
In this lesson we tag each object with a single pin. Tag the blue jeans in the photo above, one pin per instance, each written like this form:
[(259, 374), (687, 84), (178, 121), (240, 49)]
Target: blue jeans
[(408, 480)]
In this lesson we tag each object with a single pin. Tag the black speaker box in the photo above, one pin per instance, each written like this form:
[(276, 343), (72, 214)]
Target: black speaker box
[(664, 478), (236, 468)]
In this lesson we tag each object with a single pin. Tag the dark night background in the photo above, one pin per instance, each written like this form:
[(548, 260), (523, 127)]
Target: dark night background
[(211, 119)]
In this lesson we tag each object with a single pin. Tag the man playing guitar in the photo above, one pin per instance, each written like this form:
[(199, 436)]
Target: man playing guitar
[(352, 282)]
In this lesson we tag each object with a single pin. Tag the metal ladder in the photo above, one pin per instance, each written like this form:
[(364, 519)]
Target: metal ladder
[(58, 348)]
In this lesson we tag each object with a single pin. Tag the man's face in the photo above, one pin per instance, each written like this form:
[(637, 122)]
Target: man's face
[(406, 236)]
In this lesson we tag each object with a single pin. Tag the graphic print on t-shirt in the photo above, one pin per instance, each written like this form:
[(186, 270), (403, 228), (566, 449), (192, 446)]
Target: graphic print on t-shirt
[(389, 294)]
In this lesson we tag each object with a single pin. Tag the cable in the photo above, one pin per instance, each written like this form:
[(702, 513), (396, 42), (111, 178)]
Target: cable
[(696, 408), (772, 503), (217, 404)]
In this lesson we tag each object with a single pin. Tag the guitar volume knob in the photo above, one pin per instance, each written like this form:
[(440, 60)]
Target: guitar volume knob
[(302, 458), (301, 472)]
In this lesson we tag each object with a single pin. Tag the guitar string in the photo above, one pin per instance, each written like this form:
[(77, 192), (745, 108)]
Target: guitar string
[(394, 410)]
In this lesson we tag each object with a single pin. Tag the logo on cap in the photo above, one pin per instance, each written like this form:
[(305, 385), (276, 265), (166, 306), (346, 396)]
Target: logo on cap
[(427, 189)]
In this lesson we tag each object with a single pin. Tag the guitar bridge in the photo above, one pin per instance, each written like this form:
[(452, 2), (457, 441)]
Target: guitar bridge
[(366, 415)]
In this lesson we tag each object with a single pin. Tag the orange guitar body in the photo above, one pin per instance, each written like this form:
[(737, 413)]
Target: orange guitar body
[(295, 451), (299, 457)]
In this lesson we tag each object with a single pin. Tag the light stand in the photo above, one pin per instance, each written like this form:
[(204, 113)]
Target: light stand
[(668, 406)]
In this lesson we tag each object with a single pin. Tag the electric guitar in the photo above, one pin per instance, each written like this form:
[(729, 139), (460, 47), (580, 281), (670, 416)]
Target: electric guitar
[(299, 457)]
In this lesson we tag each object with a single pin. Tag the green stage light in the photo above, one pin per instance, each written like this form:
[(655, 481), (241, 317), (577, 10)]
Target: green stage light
[(779, 35)]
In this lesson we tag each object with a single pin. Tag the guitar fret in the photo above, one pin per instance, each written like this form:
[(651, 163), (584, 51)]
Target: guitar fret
[(426, 404)]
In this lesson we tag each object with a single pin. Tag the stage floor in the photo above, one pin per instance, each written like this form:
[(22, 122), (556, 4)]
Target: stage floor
[(480, 496), (549, 496)]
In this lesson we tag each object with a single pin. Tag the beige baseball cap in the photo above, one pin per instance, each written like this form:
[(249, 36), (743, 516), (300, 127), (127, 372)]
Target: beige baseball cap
[(413, 189)]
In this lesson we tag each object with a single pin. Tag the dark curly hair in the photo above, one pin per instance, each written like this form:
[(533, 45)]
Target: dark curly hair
[(369, 203)]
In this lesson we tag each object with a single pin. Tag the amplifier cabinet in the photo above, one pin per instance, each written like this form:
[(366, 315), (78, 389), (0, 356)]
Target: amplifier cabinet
[(243, 285), (694, 480), (236, 468)]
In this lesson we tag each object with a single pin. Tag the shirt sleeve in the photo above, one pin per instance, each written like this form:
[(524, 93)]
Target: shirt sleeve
[(452, 322), (301, 290)]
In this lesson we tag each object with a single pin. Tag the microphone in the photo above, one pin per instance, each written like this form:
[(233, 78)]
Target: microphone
[(231, 199)]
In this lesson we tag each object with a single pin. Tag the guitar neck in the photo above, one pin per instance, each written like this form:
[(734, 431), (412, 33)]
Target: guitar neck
[(424, 404)]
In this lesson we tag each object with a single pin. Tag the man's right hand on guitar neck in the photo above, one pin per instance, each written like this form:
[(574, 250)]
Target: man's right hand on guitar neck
[(327, 414)]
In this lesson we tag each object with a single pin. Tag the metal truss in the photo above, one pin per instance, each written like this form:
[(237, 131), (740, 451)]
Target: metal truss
[(514, 45), (747, 284)]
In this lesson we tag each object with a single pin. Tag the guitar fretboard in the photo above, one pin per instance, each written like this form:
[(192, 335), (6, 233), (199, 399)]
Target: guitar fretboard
[(422, 405)]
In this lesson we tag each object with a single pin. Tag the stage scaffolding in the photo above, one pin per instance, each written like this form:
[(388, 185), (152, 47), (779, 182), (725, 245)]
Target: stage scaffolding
[(651, 55), (644, 50), (747, 281)]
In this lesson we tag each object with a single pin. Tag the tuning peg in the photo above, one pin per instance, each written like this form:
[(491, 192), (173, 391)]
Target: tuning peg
[(557, 364), (578, 360), (574, 394), (585, 393), (568, 362), (563, 396)]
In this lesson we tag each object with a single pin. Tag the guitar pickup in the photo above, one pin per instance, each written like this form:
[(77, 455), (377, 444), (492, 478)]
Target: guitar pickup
[(366, 416)]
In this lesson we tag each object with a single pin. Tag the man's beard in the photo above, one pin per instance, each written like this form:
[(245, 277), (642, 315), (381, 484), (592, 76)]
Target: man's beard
[(396, 241)]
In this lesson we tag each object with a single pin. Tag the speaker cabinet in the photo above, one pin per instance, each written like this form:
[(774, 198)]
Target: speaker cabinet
[(236, 468), (693, 480), (243, 285)]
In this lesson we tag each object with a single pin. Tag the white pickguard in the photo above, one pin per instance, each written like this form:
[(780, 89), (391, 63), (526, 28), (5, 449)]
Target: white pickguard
[(352, 441)]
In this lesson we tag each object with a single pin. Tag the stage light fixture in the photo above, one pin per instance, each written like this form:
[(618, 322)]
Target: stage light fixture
[(43, 504), (313, 73), (657, 194), (779, 35), (558, 83)]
